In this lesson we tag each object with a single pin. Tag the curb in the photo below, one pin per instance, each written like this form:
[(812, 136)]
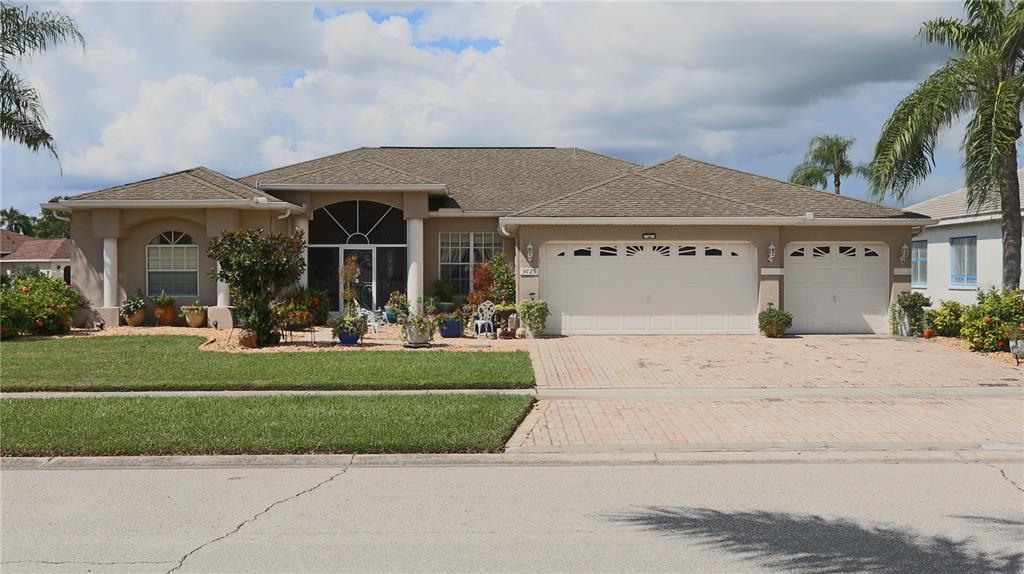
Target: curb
[(259, 393), (511, 459)]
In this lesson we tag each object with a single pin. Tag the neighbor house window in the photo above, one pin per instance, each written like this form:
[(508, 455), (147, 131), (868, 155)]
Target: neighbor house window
[(172, 265), (919, 264), (964, 262), (460, 250)]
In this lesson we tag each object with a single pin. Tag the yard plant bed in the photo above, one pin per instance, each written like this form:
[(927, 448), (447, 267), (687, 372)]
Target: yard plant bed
[(259, 425), (158, 362)]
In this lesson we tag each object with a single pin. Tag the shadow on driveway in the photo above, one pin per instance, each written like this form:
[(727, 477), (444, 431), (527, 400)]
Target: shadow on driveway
[(806, 543)]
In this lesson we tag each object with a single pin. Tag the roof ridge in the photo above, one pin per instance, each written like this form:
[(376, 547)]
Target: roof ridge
[(340, 153), (694, 190), (602, 154), (124, 185), (572, 193), (788, 183), (210, 185)]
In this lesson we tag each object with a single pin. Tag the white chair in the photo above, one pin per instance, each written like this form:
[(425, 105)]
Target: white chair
[(374, 320), (484, 316)]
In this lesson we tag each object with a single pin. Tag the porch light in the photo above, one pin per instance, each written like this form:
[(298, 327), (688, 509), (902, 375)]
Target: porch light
[(529, 252), (771, 252), (904, 252)]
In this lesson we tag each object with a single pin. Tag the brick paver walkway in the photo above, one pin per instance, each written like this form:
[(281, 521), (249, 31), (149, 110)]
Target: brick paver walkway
[(755, 361), (834, 421)]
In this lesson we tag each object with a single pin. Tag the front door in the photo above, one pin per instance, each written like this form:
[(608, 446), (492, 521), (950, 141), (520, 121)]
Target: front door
[(364, 280)]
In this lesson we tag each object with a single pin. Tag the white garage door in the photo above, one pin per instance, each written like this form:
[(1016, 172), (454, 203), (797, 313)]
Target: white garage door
[(837, 287), (663, 287)]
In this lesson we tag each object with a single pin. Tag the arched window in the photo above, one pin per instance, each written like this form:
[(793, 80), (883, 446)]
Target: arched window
[(172, 265)]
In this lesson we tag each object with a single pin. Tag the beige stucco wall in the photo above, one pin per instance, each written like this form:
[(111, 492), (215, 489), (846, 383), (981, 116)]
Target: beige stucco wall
[(771, 288), (432, 229)]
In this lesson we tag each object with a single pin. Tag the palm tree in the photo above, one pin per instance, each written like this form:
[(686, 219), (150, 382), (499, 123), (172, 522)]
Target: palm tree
[(984, 78), (13, 220), (28, 33), (827, 157)]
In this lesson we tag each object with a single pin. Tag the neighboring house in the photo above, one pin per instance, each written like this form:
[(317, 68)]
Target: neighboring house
[(51, 256), (682, 246), (961, 253)]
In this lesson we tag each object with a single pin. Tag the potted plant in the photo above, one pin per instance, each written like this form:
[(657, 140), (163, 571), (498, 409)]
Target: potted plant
[(1015, 340), (928, 331), (194, 314), (417, 329), (450, 325), (82, 316), (906, 315), (163, 309), (534, 314), (397, 304), (134, 309), (348, 328), (774, 322), (444, 291)]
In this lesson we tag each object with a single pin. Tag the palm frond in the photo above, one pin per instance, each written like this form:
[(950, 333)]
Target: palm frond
[(810, 175), (27, 32), (22, 115), (987, 15), (951, 32), (990, 137)]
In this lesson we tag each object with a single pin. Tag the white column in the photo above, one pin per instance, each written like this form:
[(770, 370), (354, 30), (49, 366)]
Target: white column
[(414, 256), (223, 295), (110, 272), (303, 224)]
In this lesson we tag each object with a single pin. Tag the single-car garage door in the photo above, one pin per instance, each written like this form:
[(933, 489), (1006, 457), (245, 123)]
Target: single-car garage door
[(657, 287), (837, 287)]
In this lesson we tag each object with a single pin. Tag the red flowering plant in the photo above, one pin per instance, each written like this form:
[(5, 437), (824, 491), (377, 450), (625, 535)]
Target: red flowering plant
[(991, 323), (36, 305), (304, 306)]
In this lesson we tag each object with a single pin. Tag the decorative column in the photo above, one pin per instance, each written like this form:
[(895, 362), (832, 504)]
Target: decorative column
[(414, 254), (303, 224), (223, 295), (110, 272)]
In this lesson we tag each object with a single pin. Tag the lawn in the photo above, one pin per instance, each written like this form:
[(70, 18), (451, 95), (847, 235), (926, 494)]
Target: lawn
[(259, 425), (169, 362)]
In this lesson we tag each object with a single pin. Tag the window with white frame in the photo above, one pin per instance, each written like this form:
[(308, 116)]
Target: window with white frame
[(172, 265), (919, 264), (461, 250), (963, 262)]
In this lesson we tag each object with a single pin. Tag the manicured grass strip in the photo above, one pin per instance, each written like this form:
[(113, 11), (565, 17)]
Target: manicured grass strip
[(169, 362), (259, 425)]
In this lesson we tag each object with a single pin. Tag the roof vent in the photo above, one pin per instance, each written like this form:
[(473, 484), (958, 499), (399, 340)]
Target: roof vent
[(809, 215)]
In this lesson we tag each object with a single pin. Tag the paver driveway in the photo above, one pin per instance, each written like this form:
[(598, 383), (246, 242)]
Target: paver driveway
[(750, 361)]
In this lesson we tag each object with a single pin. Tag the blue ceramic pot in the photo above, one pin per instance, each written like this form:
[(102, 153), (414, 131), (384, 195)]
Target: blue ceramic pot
[(451, 329), (348, 338), (391, 313)]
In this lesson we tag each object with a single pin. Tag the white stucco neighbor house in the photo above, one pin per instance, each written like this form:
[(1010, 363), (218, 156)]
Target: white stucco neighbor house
[(962, 253)]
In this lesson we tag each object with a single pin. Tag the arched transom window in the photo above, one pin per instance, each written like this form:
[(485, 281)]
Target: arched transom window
[(172, 265), (357, 222)]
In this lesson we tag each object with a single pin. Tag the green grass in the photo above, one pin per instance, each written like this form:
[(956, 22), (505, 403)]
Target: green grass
[(258, 425), (168, 362)]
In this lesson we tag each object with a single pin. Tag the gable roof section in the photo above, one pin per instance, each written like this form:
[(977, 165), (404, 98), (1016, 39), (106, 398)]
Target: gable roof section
[(953, 205), (196, 184), (11, 241), (478, 178), (33, 249), (359, 171)]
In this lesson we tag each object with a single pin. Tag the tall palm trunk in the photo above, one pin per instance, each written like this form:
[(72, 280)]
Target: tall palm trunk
[(835, 180), (1011, 221)]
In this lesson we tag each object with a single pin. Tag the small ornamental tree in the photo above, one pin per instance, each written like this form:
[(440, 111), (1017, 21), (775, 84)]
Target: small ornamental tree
[(256, 266), (504, 289)]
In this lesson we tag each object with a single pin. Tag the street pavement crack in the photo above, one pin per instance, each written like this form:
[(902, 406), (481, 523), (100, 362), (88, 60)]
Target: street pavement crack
[(254, 518), (1008, 479), (86, 562)]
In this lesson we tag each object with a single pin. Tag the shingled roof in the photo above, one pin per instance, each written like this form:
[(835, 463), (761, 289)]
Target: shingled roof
[(196, 184), (33, 249), (684, 187), (477, 178), (10, 241), (954, 204)]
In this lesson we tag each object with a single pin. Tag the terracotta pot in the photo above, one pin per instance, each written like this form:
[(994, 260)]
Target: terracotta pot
[(247, 340), (165, 315), (927, 332), (196, 319), (774, 332), (137, 318)]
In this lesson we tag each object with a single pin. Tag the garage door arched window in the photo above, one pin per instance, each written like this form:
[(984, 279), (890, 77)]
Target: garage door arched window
[(172, 265)]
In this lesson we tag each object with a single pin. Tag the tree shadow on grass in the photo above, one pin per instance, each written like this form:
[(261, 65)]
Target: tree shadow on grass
[(806, 543)]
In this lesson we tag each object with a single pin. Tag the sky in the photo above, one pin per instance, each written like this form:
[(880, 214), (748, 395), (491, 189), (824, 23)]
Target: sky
[(241, 87)]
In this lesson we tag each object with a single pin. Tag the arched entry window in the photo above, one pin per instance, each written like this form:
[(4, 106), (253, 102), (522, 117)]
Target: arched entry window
[(172, 265), (373, 233)]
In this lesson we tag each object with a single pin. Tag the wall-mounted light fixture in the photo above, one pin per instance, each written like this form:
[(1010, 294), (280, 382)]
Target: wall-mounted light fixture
[(529, 252), (771, 252), (904, 253)]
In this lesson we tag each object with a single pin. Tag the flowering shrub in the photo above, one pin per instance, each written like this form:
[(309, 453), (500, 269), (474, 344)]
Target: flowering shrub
[(908, 312), (946, 319), (986, 324), (303, 306), (504, 288), (36, 305)]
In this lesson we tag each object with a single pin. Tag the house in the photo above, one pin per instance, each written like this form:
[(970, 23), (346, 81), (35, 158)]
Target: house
[(682, 246), (960, 254), (51, 256)]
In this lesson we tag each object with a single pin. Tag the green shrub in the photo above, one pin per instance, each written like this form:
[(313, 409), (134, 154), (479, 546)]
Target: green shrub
[(163, 300), (504, 289), (36, 305), (348, 324), (444, 290), (946, 319), (985, 325), (534, 314), (398, 301), (132, 304), (774, 322), (909, 310)]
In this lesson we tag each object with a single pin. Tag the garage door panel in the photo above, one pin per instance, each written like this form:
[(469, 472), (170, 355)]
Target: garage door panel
[(841, 291)]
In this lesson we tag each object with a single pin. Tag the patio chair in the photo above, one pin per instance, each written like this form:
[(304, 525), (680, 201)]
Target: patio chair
[(374, 320), (484, 316)]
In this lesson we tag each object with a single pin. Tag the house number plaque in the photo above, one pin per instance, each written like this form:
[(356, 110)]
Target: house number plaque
[(528, 271)]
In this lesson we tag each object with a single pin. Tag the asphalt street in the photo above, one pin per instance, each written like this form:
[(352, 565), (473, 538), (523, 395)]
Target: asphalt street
[(817, 517)]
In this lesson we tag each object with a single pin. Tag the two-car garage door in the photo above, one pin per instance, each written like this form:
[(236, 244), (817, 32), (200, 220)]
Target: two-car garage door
[(710, 287), (643, 287)]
